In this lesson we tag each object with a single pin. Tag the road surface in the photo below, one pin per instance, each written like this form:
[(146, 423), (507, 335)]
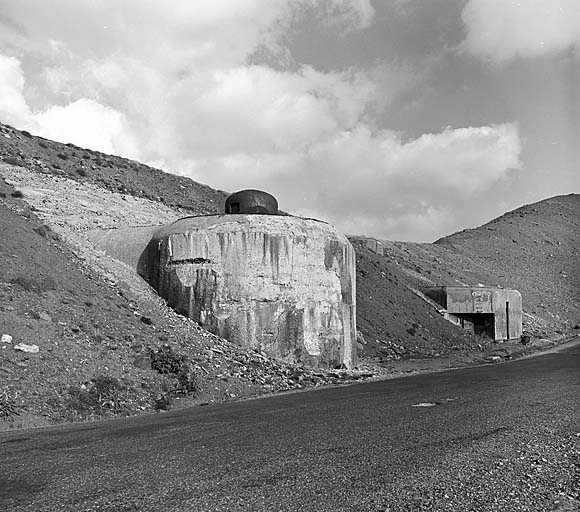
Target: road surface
[(499, 437)]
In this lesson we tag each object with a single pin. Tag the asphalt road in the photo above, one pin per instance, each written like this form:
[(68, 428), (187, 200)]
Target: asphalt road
[(499, 437)]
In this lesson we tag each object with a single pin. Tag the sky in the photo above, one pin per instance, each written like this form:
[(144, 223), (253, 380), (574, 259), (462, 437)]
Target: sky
[(397, 119)]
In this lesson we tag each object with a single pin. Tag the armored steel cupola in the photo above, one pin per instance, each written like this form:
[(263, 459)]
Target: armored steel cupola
[(252, 202)]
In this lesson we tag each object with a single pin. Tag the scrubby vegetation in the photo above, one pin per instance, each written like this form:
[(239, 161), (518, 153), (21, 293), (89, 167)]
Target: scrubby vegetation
[(167, 361), (102, 396), (7, 405)]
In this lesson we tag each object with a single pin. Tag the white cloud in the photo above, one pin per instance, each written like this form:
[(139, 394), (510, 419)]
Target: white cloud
[(174, 87), (505, 29), (180, 74), (82, 122), (374, 183), (87, 120), (414, 190), (347, 15), (13, 106), (251, 109)]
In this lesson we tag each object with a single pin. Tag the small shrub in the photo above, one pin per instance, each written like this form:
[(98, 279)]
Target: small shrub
[(167, 361), (62, 156), (26, 134), (104, 394), (36, 284), (43, 144), (7, 405), (81, 172), (109, 393), (80, 400), (188, 382), (17, 194)]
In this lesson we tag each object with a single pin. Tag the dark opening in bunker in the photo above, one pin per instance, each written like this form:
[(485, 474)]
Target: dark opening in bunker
[(482, 324), (234, 208)]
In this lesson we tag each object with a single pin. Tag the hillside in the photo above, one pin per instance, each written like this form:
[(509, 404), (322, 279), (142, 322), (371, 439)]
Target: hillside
[(99, 327), (70, 209), (113, 173), (395, 321), (88, 329), (534, 249), (83, 337)]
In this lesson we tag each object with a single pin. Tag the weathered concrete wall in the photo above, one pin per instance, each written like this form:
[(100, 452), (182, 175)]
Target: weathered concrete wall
[(469, 300), (284, 285), (507, 303), (466, 302), (128, 245)]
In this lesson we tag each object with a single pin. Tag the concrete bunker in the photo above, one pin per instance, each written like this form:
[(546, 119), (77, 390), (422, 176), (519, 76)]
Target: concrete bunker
[(495, 313), (276, 283)]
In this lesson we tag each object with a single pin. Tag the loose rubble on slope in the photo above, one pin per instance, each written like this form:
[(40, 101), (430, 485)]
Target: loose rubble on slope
[(111, 328), (114, 173)]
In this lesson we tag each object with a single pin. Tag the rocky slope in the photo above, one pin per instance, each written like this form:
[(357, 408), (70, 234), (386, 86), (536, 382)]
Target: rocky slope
[(107, 171), (534, 249), (395, 322), (83, 337), (102, 335)]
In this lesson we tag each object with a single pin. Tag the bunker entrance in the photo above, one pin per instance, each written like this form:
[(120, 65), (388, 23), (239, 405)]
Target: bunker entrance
[(482, 324)]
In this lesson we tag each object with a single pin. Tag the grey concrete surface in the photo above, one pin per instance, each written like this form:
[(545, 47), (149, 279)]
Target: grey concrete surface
[(498, 437), (283, 285)]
